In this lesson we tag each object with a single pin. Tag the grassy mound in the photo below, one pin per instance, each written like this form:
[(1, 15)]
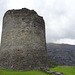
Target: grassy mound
[(67, 70), (6, 72)]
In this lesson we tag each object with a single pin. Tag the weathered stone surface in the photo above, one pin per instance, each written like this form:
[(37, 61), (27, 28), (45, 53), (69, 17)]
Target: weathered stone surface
[(23, 45), (47, 70)]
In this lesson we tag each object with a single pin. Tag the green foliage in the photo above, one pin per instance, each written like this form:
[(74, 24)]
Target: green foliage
[(6, 72), (53, 64), (67, 70)]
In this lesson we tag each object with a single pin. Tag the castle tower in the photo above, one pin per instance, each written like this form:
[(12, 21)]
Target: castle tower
[(23, 45)]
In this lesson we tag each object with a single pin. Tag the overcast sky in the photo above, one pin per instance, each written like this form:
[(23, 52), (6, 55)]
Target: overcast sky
[(59, 16)]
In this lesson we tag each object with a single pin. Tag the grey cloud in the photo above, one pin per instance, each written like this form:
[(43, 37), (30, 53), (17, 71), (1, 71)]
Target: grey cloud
[(65, 29)]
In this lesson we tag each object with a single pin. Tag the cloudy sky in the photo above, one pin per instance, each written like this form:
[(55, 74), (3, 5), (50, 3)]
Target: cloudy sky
[(59, 16)]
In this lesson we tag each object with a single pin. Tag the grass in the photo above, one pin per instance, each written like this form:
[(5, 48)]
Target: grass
[(53, 64), (67, 70), (6, 72)]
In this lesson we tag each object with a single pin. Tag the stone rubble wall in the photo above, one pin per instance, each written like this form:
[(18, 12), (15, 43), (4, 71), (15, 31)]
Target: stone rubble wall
[(23, 45)]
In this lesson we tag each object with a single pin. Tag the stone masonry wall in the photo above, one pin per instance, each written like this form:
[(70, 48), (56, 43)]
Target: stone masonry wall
[(23, 45)]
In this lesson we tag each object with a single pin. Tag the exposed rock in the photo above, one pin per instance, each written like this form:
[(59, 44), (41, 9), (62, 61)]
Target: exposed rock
[(47, 70)]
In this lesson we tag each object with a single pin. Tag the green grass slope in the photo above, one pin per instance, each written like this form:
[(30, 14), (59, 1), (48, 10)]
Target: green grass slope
[(5, 72), (67, 70)]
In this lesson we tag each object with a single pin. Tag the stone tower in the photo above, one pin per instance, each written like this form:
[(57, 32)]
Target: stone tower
[(23, 45)]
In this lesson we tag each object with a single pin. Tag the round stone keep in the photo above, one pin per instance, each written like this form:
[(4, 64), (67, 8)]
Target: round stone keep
[(23, 45)]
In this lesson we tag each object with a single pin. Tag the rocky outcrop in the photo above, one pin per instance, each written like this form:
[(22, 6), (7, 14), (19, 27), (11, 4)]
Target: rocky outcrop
[(47, 70)]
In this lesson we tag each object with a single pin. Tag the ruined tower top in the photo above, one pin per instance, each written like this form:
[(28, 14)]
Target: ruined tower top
[(25, 15), (23, 11), (23, 45)]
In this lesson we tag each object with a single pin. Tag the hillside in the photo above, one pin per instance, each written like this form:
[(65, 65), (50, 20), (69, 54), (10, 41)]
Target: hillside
[(62, 54), (67, 70)]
